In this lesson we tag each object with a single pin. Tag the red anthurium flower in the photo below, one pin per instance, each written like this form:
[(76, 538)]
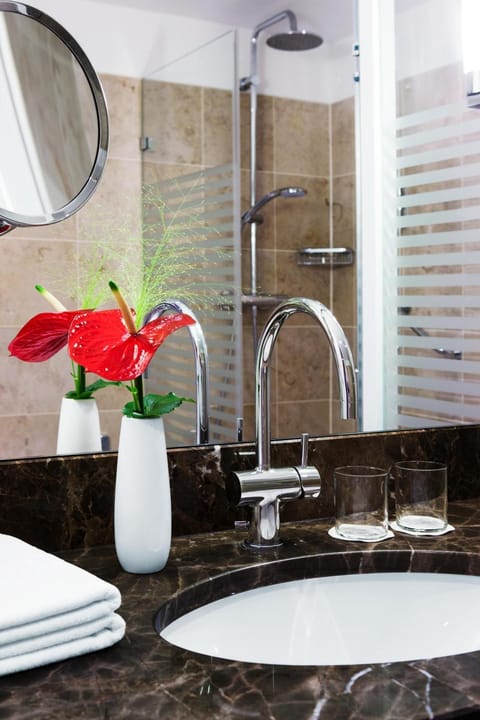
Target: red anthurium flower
[(42, 336), (104, 345)]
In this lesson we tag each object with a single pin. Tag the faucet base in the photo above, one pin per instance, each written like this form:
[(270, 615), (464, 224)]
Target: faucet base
[(256, 547)]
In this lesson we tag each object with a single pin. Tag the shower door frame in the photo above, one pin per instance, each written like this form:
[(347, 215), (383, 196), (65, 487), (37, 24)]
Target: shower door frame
[(376, 202)]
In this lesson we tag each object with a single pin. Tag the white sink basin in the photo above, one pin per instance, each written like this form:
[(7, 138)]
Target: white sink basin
[(338, 620)]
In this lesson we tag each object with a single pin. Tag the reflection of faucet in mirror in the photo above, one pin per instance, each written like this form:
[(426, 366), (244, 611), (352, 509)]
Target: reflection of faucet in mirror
[(265, 487), (293, 40), (201, 362)]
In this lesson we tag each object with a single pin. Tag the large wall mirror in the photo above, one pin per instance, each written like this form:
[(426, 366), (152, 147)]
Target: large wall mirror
[(307, 137)]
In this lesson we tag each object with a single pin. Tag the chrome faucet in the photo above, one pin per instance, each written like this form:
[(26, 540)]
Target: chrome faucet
[(201, 362), (265, 487)]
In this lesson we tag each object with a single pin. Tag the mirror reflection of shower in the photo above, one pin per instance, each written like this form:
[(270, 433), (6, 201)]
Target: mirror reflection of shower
[(292, 40)]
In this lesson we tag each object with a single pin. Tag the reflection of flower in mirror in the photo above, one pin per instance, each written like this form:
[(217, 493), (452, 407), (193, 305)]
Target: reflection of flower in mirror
[(44, 335), (163, 247), (108, 343)]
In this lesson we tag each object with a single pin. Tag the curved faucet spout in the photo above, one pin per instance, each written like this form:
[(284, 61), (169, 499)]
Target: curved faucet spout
[(201, 362), (343, 362)]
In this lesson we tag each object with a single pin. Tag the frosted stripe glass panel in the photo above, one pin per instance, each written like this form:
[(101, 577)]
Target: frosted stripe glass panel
[(442, 323), (409, 421), (437, 196), (432, 156), (443, 132), (440, 258), (439, 406), (439, 364), (437, 217), (458, 172), (450, 280), (438, 229), (426, 116), (459, 344), (439, 301), (448, 386), (436, 238), (207, 196)]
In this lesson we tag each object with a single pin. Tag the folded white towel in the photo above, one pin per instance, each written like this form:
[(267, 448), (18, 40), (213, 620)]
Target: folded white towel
[(50, 609)]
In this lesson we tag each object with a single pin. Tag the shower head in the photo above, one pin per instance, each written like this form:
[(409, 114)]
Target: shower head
[(294, 40), (286, 192)]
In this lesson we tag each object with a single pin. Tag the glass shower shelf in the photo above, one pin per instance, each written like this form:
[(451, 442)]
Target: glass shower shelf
[(329, 257)]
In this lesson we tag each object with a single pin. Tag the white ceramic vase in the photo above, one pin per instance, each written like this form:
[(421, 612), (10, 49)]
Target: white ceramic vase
[(143, 517), (78, 427)]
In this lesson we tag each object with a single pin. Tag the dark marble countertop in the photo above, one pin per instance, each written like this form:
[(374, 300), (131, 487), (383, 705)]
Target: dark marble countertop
[(145, 677)]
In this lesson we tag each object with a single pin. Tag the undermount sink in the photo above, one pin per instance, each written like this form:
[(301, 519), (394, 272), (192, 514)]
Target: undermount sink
[(338, 620)]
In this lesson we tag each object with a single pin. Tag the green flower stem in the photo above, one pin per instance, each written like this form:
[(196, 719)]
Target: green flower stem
[(137, 392), (79, 378)]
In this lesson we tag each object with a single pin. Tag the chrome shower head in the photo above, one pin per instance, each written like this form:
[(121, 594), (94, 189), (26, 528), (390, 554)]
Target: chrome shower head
[(286, 192), (294, 40)]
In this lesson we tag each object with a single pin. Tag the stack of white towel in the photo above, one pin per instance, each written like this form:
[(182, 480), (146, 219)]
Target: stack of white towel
[(51, 610)]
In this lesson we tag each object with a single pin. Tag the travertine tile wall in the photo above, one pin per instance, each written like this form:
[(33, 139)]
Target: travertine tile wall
[(299, 143), (310, 145), (31, 392)]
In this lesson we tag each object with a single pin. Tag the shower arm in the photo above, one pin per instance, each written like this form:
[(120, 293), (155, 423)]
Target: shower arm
[(285, 14)]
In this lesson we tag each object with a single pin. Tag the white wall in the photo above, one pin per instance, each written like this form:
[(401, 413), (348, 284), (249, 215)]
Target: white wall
[(123, 41)]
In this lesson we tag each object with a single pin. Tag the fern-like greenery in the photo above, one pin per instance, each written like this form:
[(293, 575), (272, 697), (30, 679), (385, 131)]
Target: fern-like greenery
[(154, 251)]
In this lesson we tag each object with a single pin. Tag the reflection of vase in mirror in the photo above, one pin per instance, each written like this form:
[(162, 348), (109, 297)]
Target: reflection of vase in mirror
[(78, 427)]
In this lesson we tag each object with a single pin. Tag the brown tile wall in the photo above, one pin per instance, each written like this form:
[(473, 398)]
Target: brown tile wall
[(310, 145)]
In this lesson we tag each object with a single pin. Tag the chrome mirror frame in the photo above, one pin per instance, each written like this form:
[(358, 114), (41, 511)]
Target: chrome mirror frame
[(10, 220)]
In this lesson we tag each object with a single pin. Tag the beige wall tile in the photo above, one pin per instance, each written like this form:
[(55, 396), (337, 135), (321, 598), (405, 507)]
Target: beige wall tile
[(172, 115), (292, 418), (28, 435), (32, 262), (32, 387), (123, 96), (303, 221), (303, 364), (301, 137), (343, 137), (301, 280), (217, 148)]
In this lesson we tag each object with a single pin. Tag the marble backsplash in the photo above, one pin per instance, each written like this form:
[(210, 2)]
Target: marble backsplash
[(67, 502)]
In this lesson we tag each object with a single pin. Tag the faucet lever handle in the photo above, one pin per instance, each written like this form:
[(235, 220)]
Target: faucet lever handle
[(304, 456), (308, 474)]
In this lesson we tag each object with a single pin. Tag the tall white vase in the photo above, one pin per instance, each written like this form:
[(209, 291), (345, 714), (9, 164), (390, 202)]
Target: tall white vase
[(143, 517), (78, 427)]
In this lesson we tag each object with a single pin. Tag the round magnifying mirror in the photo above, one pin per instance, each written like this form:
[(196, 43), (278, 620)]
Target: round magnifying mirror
[(53, 121)]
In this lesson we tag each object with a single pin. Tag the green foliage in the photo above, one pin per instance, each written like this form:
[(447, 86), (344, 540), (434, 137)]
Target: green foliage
[(153, 250), (89, 390), (155, 405)]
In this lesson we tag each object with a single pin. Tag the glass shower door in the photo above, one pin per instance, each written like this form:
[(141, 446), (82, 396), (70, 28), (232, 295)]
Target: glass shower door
[(428, 234), (190, 174)]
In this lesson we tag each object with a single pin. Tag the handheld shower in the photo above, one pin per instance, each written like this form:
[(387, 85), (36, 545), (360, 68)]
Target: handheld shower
[(249, 215)]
